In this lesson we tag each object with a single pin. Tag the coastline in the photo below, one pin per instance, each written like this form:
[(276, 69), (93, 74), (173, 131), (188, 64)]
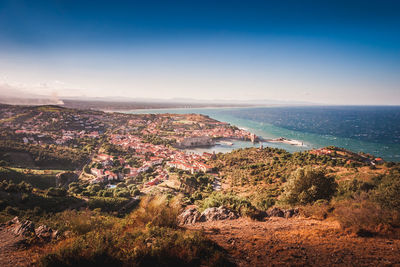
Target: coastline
[(269, 131)]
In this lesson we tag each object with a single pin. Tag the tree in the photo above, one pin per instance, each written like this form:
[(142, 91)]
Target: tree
[(306, 185), (56, 192), (86, 169), (388, 191)]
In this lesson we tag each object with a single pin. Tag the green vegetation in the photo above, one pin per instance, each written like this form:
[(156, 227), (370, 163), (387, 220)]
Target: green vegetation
[(108, 224), (156, 140), (32, 203), (44, 156), (148, 237), (372, 209), (107, 204), (307, 185), (388, 190), (241, 205), (36, 179), (270, 166), (340, 185)]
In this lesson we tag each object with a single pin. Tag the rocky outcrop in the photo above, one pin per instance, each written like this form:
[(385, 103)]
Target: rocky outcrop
[(216, 214), (45, 233), (288, 213), (291, 213), (276, 212), (27, 229), (191, 215)]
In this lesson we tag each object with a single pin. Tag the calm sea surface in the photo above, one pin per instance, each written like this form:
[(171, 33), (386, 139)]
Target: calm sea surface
[(374, 130)]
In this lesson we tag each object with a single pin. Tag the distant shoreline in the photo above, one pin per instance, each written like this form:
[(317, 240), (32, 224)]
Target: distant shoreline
[(114, 106)]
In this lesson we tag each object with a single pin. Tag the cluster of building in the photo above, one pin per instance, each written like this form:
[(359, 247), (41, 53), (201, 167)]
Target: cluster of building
[(321, 151), (187, 130), (150, 156), (133, 133), (47, 127)]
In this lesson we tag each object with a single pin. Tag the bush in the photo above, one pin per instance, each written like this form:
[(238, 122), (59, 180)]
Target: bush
[(229, 200), (388, 192), (363, 216), (107, 203), (56, 192), (86, 169), (148, 237), (157, 211), (306, 185), (80, 222), (319, 210), (151, 246), (266, 203), (136, 192), (11, 211), (350, 187), (121, 192)]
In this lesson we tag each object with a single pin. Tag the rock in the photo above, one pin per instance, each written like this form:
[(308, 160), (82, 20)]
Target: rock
[(45, 233), (291, 213), (259, 215), (15, 220), (276, 212), (189, 216), (192, 215), (67, 234), (216, 214), (25, 229)]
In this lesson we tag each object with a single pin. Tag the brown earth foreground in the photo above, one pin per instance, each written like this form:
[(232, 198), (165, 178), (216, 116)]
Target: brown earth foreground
[(298, 242), (275, 242), (11, 252)]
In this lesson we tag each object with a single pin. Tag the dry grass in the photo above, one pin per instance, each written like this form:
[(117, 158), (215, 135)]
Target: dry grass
[(319, 210), (147, 237), (156, 211), (364, 217)]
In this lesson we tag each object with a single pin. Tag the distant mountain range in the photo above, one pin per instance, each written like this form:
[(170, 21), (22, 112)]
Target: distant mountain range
[(11, 95), (253, 102)]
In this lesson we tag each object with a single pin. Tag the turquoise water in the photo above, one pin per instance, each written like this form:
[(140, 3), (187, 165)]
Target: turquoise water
[(249, 119)]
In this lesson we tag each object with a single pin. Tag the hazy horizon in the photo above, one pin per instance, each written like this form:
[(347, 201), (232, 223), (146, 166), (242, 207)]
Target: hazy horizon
[(333, 52)]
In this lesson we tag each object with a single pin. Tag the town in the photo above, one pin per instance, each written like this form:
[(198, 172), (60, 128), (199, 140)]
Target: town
[(120, 147)]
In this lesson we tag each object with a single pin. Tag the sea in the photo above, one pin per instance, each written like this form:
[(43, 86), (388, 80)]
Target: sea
[(369, 129)]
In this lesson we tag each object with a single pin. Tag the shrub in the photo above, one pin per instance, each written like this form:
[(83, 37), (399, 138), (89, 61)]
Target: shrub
[(151, 246), (229, 200), (266, 203), (56, 192), (136, 192), (318, 210), (157, 211), (121, 185), (122, 193), (306, 185), (11, 211), (80, 222), (107, 203), (388, 192), (349, 187), (86, 169), (363, 216)]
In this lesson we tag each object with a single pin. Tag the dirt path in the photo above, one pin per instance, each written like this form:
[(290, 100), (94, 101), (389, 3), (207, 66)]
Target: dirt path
[(11, 253), (298, 242)]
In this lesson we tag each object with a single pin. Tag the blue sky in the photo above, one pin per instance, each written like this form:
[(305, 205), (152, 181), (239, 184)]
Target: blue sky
[(333, 52)]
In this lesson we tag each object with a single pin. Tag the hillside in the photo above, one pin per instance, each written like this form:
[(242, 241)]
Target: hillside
[(82, 187)]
